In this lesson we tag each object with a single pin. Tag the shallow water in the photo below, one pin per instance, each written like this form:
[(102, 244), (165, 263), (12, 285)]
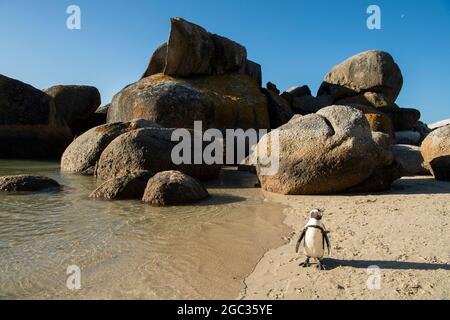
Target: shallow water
[(128, 250)]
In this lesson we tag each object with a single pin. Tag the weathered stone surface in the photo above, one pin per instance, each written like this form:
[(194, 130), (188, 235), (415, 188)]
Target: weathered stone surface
[(254, 71), (103, 109), (383, 140), (380, 180), (123, 188), (229, 56), (373, 99), (157, 62), (436, 153), (148, 149), (403, 119), (29, 124), (380, 122), (280, 111), (191, 50), (22, 183), (95, 120), (223, 102), (309, 104), (297, 92), (410, 158), (423, 130), (331, 151), (75, 104), (408, 138), (370, 71), (83, 153), (173, 188)]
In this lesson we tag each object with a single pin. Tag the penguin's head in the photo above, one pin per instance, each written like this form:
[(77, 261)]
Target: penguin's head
[(316, 214)]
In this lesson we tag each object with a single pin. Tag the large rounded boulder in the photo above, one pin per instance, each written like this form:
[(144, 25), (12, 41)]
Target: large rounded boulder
[(331, 151), (75, 104), (149, 149), (371, 71), (29, 124), (173, 188), (224, 102), (436, 153), (83, 153)]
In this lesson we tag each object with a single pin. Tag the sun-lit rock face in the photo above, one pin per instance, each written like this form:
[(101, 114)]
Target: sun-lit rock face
[(226, 101)]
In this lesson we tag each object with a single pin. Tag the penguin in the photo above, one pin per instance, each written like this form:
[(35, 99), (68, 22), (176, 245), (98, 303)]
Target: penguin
[(315, 238)]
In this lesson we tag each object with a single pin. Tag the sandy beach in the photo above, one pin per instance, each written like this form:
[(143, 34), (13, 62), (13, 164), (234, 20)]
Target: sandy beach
[(405, 232)]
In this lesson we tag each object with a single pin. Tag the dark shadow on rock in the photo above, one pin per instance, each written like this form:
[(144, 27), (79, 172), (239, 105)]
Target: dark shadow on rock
[(231, 178), (336, 91), (393, 265), (411, 186), (441, 168)]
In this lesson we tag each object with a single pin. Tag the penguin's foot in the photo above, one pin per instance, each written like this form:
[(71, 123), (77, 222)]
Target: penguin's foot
[(321, 266), (305, 264)]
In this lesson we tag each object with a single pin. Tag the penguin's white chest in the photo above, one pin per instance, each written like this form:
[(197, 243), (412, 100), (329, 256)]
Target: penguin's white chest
[(314, 246)]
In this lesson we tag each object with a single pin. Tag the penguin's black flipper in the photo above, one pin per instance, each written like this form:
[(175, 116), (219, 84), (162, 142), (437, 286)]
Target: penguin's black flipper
[(302, 236), (327, 241)]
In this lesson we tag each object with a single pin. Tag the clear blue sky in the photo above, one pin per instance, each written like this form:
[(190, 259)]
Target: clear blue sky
[(296, 41)]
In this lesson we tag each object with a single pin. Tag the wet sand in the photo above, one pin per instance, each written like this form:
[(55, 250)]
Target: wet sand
[(405, 232)]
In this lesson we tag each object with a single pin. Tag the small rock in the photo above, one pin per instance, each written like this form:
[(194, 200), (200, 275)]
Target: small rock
[(21, 183), (173, 188)]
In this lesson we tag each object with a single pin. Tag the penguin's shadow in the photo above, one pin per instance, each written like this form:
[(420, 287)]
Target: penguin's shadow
[(394, 265)]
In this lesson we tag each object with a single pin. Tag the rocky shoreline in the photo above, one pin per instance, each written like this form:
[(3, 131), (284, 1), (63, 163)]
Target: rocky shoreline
[(351, 137)]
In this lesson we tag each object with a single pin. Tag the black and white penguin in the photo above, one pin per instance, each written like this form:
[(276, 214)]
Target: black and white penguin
[(315, 238)]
